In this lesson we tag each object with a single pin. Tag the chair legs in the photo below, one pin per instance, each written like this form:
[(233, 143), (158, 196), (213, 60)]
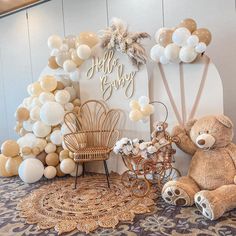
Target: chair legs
[(83, 173), (107, 173), (76, 175)]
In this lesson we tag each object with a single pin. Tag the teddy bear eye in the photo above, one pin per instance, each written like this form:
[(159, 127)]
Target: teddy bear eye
[(207, 132)]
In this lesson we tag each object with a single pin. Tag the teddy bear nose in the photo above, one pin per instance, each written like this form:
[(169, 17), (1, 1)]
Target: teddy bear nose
[(201, 142)]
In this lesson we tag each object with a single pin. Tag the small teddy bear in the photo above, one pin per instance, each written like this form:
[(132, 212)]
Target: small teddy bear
[(211, 179), (159, 132)]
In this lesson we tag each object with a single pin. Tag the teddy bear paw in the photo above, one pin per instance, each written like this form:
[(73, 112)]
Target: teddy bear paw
[(176, 196), (203, 204)]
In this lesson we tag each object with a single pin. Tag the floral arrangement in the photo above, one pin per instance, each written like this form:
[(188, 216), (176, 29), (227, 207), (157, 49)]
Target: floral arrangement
[(117, 37), (182, 43), (135, 147)]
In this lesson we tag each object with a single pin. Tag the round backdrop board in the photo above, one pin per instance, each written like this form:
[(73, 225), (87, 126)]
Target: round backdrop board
[(210, 93), (111, 77)]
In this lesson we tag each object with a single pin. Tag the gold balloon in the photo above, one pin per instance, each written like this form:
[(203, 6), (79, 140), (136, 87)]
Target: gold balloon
[(10, 148), (76, 59), (204, 35), (3, 172), (42, 156), (88, 38), (165, 37), (60, 85), (52, 159), (22, 114), (52, 63), (189, 23), (12, 165), (59, 172)]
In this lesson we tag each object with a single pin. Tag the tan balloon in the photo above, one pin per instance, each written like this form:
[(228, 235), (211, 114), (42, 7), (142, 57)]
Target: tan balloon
[(52, 159), (12, 165), (59, 149), (10, 148), (59, 172), (204, 35), (3, 172), (22, 114), (18, 127), (25, 151), (35, 151), (60, 85), (165, 37), (52, 63), (189, 23), (76, 59), (42, 157), (88, 38)]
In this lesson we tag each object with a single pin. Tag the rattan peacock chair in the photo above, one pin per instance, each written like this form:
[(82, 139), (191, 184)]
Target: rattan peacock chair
[(93, 133)]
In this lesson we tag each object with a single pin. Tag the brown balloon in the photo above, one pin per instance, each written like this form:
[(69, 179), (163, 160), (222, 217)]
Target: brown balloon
[(59, 172), (22, 114), (189, 23), (10, 148), (52, 63), (165, 37), (60, 85), (42, 156), (204, 35), (52, 159), (88, 38)]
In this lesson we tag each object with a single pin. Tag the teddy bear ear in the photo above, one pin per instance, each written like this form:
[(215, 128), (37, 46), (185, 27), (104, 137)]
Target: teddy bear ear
[(190, 124), (225, 121)]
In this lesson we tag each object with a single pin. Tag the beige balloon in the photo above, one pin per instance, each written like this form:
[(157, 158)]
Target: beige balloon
[(204, 35), (12, 165), (42, 157), (76, 59), (10, 148), (88, 38), (52, 63), (60, 85), (52, 159), (25, 151), (22, 114), (59, 172), (189, 23), (165, 37), (3, 172)]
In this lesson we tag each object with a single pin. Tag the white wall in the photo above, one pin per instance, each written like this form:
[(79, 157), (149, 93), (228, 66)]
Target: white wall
[(24, 53)]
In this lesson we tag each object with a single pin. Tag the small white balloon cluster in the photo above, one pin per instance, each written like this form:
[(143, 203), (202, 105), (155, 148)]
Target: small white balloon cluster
[(141, 109), (182, 44), (71, 52)]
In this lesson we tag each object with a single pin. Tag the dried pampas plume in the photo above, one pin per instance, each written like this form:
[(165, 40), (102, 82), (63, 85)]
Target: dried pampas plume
[(117, 37)]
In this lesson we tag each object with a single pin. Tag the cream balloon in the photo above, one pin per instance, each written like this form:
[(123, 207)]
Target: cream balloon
[(135, 115), (12, 165), (40, 129), (201, 47), (62, 96), (35, 89), (31, 170), (50, 148), (35, 113), (180, 36), (50, 172), (61, 57), (134, 105), (172, 52), (69, 66), (54, 41), (192, 41), (52, 113), (88, 38), (143, 101), (56, 137), (187, 54), (72, 92), (69, 106), (67, 166), (48, 83), (156, 52), (79, 172), (46, 97)]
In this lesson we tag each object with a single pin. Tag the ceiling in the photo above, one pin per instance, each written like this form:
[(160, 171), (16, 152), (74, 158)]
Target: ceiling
[(7, 6)]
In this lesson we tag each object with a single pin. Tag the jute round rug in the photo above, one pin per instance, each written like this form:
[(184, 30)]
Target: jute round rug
[(86, 208)]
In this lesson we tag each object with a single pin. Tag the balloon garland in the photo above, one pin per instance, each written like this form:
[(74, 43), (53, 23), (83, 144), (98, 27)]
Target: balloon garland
[(181, 44), (40, 118)]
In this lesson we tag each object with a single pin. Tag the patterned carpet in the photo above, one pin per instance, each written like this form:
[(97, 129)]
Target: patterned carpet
[(166, 219)]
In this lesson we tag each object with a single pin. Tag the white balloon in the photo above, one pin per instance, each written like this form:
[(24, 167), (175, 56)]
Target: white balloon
[(31, 170), (41, 143), (65, 129), (74, 76), (56, 137), (64, 47), (187, 54), (61, 57), (172, 52), (69, 66), (157, 34), (201, 47), (29, 89), (62, 96), (67, 166), (192, 41), (54, 41), (50, 148), (83, 51), (180, 36), (64, 79), (27, 140), (164, 60), (40, 129), (28, 125), (35, 113), (80, 171), (46, 97), (54, 52), (156, 52), (52, 113), (72, 92), (69, 106), (143, 101), (50, 172)]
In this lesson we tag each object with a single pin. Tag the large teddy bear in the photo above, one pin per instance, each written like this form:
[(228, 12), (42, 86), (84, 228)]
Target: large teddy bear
[(211, 179)]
